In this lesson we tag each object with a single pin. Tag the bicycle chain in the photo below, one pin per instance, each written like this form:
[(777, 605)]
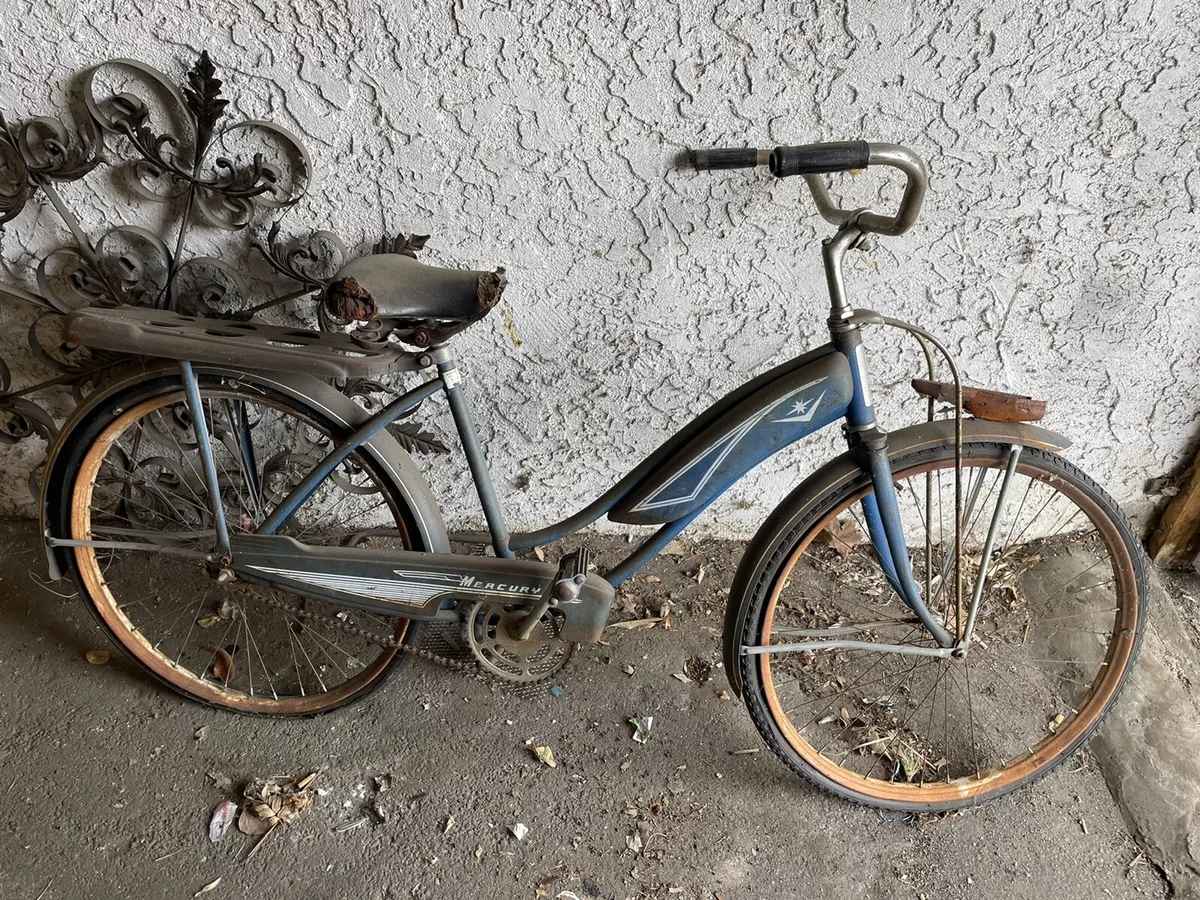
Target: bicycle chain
[(471, 669)]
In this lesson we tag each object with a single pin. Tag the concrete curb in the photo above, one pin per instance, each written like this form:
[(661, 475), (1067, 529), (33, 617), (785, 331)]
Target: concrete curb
[(1149, 749)]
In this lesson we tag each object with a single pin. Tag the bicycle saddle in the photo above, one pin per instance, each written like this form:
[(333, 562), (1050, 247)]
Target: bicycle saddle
[(423, 304)]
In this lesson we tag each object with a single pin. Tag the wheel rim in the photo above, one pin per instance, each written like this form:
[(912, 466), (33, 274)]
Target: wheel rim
[(871, 742), (321, 660)]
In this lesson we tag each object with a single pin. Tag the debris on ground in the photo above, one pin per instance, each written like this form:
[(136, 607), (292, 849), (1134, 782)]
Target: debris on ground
[(641, 728), (842, 536), (627, 669), (518, 830), (557, 690), (222, 667), (634, 842), (274, 801), (698, 670), (749, 751), (211, 886), (222, 817), (201, 733), (631, 624), (545, 754), (97, 657), (383, 783), (448, 824), (376, 812), (222, 781), (679, 676)]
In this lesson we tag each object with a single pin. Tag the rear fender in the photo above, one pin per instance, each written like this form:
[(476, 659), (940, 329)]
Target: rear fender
[(394, 463), (801, 502)]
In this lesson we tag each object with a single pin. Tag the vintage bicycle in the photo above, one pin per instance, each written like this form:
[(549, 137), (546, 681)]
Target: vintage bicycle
[(936, 617)]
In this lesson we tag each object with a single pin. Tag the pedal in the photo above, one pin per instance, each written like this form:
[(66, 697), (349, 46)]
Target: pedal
[(564, 588), (572, 573)]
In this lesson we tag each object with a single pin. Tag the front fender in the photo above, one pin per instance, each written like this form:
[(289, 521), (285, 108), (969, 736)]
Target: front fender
[(394, 462), (799, 401), (800, 502)]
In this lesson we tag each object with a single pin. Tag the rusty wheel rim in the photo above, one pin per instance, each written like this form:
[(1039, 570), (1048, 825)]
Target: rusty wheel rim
[(138, 644), (1054, 746)]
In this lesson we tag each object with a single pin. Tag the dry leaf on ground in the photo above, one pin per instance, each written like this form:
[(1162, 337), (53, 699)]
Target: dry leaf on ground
[(273, 801), (97, 657), (222, 667), (842, 536)]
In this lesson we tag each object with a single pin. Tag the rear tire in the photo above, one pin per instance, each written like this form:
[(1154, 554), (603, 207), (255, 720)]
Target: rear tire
[(131, 474)]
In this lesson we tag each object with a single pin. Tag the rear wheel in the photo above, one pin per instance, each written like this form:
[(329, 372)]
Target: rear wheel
[(1057, 630), (135, 477)]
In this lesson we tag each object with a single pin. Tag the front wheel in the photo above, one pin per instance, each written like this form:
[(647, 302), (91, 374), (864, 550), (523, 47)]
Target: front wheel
[(1057, 630)]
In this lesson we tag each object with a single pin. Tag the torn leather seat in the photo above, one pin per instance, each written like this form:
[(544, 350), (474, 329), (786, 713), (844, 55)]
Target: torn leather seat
[(991, 406), (422, 305)]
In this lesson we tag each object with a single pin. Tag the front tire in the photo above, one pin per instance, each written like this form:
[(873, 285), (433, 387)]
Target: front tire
[(1058, 629)]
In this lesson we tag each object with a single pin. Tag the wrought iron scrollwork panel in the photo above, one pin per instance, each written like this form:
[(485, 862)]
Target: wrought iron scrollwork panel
[(169, 144)]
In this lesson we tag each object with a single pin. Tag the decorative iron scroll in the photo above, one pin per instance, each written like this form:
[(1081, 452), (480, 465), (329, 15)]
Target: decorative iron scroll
[(172, 145)]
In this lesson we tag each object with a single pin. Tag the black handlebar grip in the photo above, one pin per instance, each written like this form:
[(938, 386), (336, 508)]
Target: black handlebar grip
[(725, 158), (817, 159)]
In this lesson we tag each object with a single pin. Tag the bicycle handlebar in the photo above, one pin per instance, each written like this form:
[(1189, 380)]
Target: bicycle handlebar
[(811, 160)]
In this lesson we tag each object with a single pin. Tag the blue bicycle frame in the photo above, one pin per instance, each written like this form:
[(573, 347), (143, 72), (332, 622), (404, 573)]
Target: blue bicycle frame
[(677, 482)]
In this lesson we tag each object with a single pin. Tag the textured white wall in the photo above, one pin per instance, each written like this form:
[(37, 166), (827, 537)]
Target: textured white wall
[(1056, 254)]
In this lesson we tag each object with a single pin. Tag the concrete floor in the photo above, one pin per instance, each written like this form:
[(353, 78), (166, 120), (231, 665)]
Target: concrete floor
[(107, 792)]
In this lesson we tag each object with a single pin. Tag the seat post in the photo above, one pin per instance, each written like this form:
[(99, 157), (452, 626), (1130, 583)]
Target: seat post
[(464, 422)]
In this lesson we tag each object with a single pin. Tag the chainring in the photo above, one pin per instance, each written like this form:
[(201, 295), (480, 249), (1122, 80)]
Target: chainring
[(487, 628)]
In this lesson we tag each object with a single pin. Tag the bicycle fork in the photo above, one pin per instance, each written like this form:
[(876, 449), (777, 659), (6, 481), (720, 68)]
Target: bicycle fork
[(881, 510)]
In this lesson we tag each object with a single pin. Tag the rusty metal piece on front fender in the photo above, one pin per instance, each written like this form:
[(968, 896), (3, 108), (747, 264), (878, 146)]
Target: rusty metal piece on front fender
[(348, 301), (991, 406)]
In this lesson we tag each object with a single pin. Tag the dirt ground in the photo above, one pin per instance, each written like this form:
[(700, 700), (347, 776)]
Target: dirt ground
[(108, 782)]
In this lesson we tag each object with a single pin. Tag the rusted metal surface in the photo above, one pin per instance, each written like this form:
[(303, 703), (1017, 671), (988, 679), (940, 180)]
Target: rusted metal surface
[(992, 406)]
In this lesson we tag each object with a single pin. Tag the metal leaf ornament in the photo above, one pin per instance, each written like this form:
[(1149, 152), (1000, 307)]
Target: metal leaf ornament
[(204, 99)]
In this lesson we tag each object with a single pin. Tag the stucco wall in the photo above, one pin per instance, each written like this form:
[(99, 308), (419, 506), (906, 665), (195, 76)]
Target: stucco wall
[(1056, 253)]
